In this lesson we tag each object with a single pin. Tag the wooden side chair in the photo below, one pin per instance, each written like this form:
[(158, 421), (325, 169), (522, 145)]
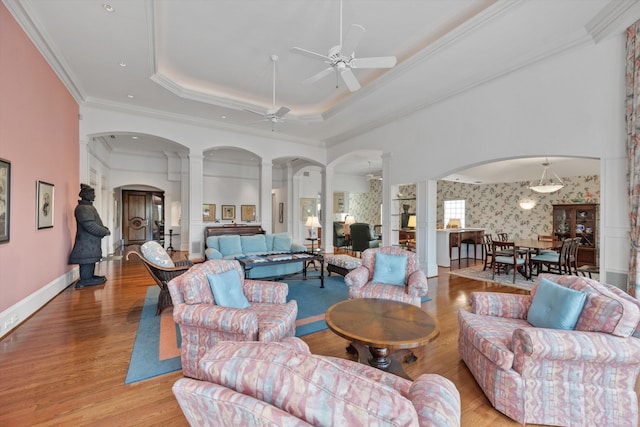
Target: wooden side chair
[(555, 262), (161, 268), (509, 259)]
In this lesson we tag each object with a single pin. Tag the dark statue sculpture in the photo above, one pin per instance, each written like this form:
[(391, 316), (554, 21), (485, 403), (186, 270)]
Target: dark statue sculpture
[(90, 231)]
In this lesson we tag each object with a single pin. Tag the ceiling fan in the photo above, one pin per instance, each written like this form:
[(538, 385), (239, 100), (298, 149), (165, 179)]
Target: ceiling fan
[(342, 60), (373, 177), (274, 115)]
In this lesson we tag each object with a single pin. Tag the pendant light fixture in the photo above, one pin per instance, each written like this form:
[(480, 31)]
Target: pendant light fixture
[(547, 184)]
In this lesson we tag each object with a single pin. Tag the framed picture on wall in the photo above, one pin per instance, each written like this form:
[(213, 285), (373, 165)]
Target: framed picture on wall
[(248, 212), (281, 212), (229, 212), (44, 202), (307, 207), (5, 193), (209, 212)]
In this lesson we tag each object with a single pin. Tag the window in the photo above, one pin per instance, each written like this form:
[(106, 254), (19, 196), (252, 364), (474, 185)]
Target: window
[(454, 209)]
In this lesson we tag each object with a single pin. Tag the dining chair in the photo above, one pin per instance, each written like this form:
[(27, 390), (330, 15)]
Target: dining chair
[(546, 238), (572, 261), (507, 261), (487, 247), (555, 262)]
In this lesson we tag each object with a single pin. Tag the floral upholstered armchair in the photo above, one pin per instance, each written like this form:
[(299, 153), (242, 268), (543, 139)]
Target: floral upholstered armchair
[(388, 273), (283, 384), (213, 302), (568, 354)]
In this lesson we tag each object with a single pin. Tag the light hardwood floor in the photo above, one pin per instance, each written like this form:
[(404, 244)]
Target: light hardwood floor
[(67, 363)]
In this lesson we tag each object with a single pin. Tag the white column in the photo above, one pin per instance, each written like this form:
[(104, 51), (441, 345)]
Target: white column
[(196, 231), (294, 211), (327, 209), (387, 223), (266, 186), (289, 198), (426, 212), (183, 239)]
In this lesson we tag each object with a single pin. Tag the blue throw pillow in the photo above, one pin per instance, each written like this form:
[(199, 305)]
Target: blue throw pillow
[(281, 242), (390, 269), (253, 244), (555, 306), (227, 289)]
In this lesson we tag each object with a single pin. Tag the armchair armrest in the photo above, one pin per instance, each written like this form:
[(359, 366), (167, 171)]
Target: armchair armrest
[(298, 247), (265, 291), (436, 400), (357, 278), (212, 253), (512, 306), (216, 318), (557, 344), (417, 284)]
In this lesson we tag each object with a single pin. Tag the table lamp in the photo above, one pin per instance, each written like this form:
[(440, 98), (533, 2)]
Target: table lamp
[(411, 223), (314, 224), (348, 220)]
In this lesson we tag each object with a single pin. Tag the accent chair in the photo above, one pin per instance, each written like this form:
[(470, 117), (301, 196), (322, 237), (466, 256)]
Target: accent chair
[(161, 268), (362, 237), (213, 302), (283, 384), (371, 279), (568, 354)]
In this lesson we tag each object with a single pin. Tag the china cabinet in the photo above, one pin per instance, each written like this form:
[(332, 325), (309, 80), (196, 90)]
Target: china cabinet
[(578, 220)]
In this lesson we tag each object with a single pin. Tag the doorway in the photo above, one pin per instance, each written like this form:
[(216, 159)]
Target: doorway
[(142, 217)]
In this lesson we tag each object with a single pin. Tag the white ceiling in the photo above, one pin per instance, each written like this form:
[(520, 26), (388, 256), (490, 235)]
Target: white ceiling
[(205, 60)]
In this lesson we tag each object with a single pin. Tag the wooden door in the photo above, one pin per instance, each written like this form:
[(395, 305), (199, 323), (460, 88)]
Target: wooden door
[(136, 217)]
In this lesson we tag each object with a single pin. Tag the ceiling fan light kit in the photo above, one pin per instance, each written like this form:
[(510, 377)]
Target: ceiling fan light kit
[(341, 58)]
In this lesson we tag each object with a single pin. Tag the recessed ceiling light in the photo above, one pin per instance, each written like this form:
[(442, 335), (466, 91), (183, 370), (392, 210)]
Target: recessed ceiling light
[(134, 137), (123, 64), (108, 7), (223, 117), (130, 96)]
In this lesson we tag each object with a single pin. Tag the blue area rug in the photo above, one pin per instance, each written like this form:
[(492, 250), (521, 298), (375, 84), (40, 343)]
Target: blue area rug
[(145, 359)]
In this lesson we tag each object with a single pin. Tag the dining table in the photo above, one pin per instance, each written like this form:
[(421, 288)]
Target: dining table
[(527, 246)]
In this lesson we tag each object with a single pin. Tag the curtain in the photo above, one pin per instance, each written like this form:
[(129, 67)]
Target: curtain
[(632, 115)]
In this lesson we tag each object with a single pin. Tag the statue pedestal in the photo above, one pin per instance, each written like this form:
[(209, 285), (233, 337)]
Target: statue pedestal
[(92, 281)]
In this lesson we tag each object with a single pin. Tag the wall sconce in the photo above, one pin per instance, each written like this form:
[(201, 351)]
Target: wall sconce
[(411, 223), (314, 224), (527, 204)]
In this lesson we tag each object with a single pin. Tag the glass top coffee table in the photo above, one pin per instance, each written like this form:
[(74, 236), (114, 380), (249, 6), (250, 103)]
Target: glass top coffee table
[(384, 327)]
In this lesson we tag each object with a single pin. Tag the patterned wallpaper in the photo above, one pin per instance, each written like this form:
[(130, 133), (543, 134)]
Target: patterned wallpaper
[(495, 208), (365, 207)]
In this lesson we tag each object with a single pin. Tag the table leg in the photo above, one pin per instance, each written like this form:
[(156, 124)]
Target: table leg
[(379, 358), (322, 273)]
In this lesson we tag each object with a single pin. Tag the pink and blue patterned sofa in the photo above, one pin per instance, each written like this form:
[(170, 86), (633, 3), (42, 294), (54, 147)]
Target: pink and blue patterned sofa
[(203, 323), (283, 384), (580, 377)]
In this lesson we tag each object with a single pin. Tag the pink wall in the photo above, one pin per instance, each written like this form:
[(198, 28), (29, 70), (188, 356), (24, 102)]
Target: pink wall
[(39, 136)]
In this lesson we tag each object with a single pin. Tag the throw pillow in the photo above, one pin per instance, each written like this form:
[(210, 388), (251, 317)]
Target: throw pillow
[(555, 306), (230, 245), (390, 269), (227, 289), (153, 252), (253, 244)]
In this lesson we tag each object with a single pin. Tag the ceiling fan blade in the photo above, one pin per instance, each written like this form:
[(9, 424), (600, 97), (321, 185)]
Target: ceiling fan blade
[(374, 62), (309, 54), (352, 40), (320, 75), (350, 80), (281, 112), (254, 112)]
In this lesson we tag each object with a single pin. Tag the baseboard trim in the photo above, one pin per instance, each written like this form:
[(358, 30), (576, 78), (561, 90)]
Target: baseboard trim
[(23, 309)]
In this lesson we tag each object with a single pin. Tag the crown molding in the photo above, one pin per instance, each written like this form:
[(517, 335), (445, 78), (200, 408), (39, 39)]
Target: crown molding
[(19, 12), (614, 18)]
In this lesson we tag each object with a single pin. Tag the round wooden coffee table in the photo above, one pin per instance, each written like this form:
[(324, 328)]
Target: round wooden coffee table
[(382, 326)]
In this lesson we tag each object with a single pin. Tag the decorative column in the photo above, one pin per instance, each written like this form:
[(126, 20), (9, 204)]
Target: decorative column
[(387, 225), (196, 231), (266, 186), (327, 209), (426, 213)]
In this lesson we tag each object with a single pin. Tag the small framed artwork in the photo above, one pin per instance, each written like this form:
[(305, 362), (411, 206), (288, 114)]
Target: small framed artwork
[(307, 207), (209, 212), (44, 202), (5, 198), (281, 212), (248, 212), (229, 212)]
